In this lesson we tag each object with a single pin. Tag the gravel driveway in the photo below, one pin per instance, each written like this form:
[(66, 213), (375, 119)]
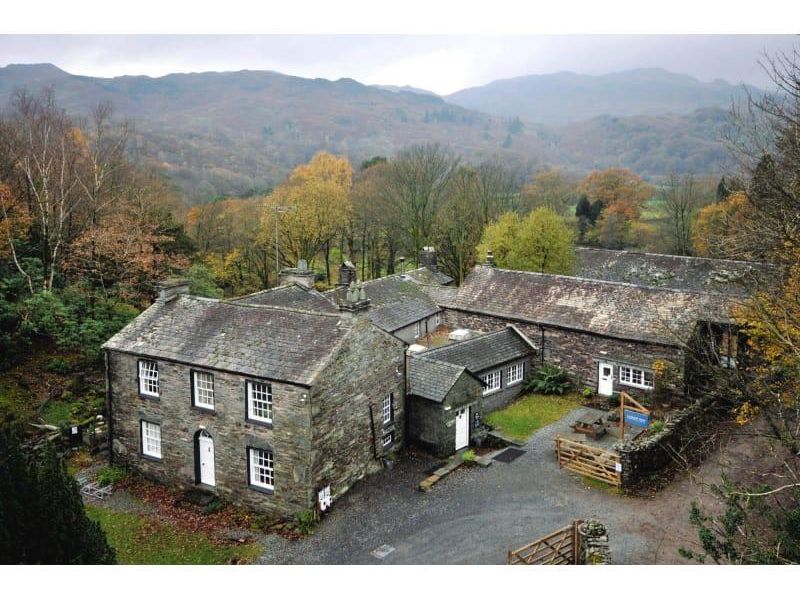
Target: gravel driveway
[(475, 515)]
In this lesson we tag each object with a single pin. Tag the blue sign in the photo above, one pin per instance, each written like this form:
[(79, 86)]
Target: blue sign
[(636, 419)]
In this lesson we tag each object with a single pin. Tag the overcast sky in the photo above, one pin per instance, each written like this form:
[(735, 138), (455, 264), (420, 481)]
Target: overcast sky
[(443, 64)]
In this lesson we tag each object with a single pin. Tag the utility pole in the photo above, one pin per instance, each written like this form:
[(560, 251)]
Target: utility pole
[(277, 210)]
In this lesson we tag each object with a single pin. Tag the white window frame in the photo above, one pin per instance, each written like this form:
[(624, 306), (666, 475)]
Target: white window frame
[(388, 408), (515, 373), (388, 439), (148, 378), (496, 378), (261, 462), (636, 377), (264, 399), (197, 389), (418, 326), (151, 438)]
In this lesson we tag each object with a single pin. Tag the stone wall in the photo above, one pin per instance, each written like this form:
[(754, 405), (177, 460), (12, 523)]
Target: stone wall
[(289, 436), (350, 391), (432, 425), (409, 333), (575, 351), (648, 455)]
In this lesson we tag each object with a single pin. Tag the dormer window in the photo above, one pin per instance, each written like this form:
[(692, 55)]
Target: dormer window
[(148, 378)]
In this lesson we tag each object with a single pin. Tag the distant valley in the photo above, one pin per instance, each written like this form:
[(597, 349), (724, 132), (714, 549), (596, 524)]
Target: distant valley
[(234, 133)]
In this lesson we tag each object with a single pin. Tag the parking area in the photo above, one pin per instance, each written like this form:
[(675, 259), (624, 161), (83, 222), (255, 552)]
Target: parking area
[(476, 515)]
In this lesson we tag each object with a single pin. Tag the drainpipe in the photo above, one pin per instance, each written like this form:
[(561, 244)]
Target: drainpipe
[(372, 429), (542, 344), (110, 421)]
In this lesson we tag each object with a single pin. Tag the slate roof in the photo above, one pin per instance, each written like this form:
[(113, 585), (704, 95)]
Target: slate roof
[(427, 275), (484, 351), (396, 301), (732, 277), (613, 309), (271, 343), (292, 295), (431, 379)]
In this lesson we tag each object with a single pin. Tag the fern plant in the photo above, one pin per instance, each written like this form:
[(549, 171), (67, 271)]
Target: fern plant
[(550, 380)]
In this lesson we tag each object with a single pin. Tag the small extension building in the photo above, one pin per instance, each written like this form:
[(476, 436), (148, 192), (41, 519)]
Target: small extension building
[(451, 388), (276, 409)]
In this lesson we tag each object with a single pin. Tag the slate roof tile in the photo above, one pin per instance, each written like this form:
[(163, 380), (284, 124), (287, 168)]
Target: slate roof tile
[(733, 277), (431, 379), (483, 351), (271, 343), (620, 310)]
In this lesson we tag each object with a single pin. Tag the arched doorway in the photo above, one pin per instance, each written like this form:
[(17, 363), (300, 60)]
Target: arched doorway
[(204, 457)]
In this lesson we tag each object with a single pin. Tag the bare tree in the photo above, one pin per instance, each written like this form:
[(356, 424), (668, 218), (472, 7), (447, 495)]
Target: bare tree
[(681, 200), (417, 183)]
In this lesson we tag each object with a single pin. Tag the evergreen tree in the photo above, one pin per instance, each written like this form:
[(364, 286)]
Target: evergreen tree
[(723, 191), (42, 518)]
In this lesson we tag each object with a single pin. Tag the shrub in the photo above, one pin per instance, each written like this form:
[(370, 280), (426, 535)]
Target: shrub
[(111, 475), (587, 392), (549, 379), (468, 455), (305, 522), (656, 426), (58, 365)]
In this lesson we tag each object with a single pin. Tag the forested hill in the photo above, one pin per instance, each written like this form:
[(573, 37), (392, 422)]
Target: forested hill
[(565, 97), (234, 133)]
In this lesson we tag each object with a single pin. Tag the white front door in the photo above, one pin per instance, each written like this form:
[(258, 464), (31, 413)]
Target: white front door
[(605, 379), (206, 452), (462, 427)]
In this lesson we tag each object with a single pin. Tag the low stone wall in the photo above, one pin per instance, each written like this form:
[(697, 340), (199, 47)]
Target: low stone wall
[(650, 454)]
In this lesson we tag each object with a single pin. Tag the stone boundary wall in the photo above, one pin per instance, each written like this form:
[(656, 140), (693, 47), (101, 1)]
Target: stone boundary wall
[(649, 455)]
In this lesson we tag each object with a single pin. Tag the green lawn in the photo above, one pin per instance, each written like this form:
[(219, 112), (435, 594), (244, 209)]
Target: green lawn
[(531, 412), (140, 540)]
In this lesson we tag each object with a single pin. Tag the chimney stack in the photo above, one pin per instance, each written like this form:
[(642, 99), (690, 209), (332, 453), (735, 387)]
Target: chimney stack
[(300, 274), (355, 300), (347, 274), (427, 258), (170, 289), (489, 259)]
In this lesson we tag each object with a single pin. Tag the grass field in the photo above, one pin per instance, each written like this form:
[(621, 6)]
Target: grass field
[(519, 420), (141, 540)]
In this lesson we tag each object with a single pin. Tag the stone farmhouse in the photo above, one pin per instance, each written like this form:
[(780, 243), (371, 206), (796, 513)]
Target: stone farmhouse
[(277, 409), (282, 399)]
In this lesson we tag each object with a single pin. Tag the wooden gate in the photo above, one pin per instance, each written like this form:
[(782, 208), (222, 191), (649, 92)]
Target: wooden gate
[(562, 547), (597, 463)]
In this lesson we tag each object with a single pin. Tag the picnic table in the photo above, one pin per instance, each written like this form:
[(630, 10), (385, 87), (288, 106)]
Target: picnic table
[(590, 426)]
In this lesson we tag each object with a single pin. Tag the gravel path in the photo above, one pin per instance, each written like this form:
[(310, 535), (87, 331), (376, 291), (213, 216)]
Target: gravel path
[(475, 515)]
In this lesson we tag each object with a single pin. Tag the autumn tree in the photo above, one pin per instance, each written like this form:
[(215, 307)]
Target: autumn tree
[(541, 241), (760, 520), (311, 208), (549, 188)]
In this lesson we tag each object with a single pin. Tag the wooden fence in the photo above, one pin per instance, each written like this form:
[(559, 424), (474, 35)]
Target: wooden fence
[(594, 462), (562, 547)]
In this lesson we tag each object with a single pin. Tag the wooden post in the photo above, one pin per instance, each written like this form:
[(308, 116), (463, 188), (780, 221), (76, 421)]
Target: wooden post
[(622, 416)]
